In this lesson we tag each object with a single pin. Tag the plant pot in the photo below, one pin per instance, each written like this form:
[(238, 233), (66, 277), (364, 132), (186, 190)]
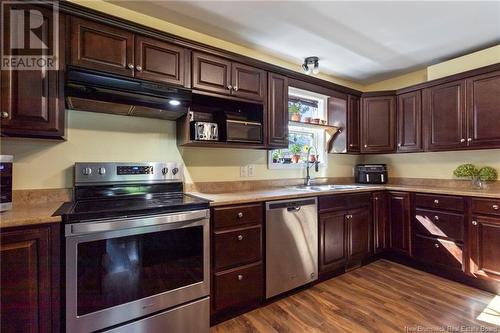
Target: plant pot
[(312, 158), (296, 116), (295, 158), (307, 119), (315, 120)]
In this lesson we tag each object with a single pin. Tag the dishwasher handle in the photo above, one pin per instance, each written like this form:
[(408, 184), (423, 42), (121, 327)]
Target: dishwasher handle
[(291, 205)]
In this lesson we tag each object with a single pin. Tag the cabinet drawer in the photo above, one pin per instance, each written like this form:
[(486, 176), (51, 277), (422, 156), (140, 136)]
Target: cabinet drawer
[(238, 287), (440, 224), (439, 251), (237, 247), (439, 201), (237, 215), (486, 206), (337, 202)]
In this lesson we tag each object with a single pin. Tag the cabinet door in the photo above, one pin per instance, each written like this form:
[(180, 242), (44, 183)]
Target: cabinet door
[(485, 248), (248, 82), (410, 122), (444, 116), (25, 275), (101, 47), (160, 61), (353, 124), (378, 120), (277, 111), (332, 241), (32, 101), (211, 73), (359, 234), (399, 220), (483, 112), (380, 221)]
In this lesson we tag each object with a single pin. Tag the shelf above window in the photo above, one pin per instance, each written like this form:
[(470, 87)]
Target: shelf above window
[(312, 125)]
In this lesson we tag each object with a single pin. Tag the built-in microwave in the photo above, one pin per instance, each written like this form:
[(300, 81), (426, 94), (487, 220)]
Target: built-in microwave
[(243, 131), (5, 182)]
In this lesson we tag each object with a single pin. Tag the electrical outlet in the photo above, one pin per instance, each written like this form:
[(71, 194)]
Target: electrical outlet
[(251, 170), (244, 171)]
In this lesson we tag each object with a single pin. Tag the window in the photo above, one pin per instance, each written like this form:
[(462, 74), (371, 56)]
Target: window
[(303, 106)]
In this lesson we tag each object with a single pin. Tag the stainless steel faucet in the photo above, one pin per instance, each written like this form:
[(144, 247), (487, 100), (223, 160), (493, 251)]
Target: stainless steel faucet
[(309, 165)]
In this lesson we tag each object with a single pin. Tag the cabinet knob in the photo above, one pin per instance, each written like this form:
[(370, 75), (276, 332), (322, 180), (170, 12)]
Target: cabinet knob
[(5, 115), (436, 246), (130, 66), (436, 202), (436, 218), (462, 140), (351, 145), (230, 87), (240, 237), (240, 215), (469, 139), (495, 207), (366, 146), (399, 145), (235, 88), (240, 277), (139, 68), (474, 222)]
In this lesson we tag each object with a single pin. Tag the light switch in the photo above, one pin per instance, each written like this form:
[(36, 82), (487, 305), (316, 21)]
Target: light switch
[(244, 171), (251, 170)]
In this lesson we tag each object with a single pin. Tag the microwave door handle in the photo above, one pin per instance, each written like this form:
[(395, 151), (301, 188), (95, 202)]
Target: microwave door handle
[(368, 178), (382, 177)]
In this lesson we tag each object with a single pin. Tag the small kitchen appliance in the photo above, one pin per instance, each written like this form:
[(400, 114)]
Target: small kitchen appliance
[(370, 173), (205, 131), (6, 182)]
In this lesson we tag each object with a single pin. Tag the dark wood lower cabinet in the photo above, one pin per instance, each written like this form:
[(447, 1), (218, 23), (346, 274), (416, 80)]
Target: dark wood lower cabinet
[(359, 240), (485, 247), (381, 232), (332, 241), (399, 221), (29, 293)]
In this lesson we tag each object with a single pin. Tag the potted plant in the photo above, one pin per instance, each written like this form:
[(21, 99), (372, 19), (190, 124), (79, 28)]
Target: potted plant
[(295, 110), (478, 176), (276, 156), (295, 149)]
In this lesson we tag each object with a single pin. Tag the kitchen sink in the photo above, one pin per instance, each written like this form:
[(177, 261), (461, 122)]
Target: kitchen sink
[(320, 188)]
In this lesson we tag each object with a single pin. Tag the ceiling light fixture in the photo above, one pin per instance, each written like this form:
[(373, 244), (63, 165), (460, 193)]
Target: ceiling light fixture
[(311, 65), (174, 102)]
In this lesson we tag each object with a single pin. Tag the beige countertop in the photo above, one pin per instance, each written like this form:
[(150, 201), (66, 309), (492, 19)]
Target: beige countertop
[(232, 198), (22, 215)]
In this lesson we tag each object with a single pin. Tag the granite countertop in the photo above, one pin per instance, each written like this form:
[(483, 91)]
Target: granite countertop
[(232, 198), (22, 215)]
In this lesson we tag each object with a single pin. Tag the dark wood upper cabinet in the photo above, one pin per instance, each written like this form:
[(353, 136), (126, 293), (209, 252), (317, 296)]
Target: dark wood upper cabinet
[(353, 125), (444, 120), (360, 235), (101, 47), (277, 111), (409, 113), (399, 221), (332, 240), (32, 101), (160, 61), (485, 247), (248, 82), (380, 221), (378, 124), (483, 111), (211, 73)]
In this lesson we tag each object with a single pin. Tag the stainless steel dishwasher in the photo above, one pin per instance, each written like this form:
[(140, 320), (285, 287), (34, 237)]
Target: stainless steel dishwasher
[(291, 244)]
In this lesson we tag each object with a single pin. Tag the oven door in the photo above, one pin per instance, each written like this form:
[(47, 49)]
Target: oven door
[(120, 270)]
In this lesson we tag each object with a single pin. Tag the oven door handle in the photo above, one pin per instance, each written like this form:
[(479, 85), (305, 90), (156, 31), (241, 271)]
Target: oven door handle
[(127, 223)]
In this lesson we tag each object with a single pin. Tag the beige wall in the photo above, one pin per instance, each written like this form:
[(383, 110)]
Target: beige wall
[(101, 137)]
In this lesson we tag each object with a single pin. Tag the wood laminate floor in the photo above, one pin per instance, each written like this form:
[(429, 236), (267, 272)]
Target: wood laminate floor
[(380, 297)]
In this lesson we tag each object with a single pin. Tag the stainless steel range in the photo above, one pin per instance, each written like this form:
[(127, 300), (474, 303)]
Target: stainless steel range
[(136, 251)]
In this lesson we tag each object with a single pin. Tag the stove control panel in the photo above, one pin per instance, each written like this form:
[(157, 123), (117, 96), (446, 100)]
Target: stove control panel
[(86, 173)]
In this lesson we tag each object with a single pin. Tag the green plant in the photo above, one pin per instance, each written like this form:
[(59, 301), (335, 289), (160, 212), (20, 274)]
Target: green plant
[(295, 149), (487, 174), (466, 170), (296, 108), (277, 154)]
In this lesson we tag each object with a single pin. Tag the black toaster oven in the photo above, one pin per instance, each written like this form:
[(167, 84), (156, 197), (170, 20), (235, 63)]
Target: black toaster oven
[(370, 173)]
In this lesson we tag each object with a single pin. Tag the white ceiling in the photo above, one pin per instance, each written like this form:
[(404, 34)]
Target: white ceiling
[(360, 41)]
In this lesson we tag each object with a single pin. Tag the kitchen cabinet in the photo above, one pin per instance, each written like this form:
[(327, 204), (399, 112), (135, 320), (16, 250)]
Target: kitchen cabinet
[(30, 284), (277, 111), (380, 221), (32, 101), (409, 120), (484, 231), (444, 119), (353, 124), (399, 222), (109, 49), (378, 124), (345, 231), (483, 113), (221, 76)]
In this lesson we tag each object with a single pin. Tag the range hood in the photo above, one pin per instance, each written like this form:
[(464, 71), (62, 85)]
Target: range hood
[(106, 93)]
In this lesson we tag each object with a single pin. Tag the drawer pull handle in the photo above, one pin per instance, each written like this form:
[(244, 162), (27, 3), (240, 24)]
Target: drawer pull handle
[(436, 246), (240, 237), (495, 207), (474, 222), (5, 115), (240, 215), (130, 66), (240, 277), (436, 201), (436, 218)]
